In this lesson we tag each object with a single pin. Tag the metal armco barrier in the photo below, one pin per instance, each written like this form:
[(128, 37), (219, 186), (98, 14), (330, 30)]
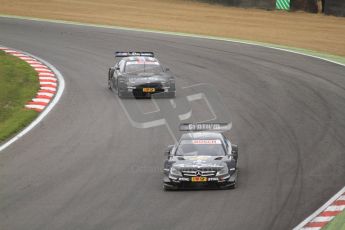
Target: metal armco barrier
[(335, 7), (283, 4)]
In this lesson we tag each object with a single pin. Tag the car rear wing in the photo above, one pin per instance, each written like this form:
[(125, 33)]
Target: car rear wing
[(131, 54), (216, 127)]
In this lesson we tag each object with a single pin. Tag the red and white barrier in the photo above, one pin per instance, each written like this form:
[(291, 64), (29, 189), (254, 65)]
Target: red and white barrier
[(47, 79), (325, 214)]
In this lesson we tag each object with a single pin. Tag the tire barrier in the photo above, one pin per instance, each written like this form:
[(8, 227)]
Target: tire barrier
[(335, 7), (262, 4), (305, 5), (330, 7)]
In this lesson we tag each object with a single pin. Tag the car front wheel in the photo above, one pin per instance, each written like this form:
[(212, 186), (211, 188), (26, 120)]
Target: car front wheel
[(169, 188), (119, 93), (109, 84)]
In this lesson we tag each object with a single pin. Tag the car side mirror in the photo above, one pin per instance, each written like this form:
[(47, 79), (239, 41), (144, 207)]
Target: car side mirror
[(167, 69), (117, 68), (234, 151), (168, 150)]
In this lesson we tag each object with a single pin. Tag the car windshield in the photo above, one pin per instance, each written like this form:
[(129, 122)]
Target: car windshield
[(143, 67), (200, 148)]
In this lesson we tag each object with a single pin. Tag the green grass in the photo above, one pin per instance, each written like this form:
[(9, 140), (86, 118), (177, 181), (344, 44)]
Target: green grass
[(18, 85), (338, 223)]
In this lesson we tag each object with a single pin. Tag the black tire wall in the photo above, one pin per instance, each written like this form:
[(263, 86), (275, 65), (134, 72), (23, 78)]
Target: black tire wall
[(335, 7), (304, 5), (262, 4), (331, 7)]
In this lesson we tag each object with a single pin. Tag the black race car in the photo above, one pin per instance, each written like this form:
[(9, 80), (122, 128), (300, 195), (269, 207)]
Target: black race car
[(201, 159), (140, 74)]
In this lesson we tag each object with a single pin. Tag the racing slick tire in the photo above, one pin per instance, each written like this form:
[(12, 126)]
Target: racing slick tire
[(109, 73), (167, 188), (233, 184), (119, 94), (228, 187), (122, 94), (171, 94), (109, 85)]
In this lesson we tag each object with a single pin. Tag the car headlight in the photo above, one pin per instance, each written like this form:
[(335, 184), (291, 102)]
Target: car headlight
[(223, 171), (174, 171)]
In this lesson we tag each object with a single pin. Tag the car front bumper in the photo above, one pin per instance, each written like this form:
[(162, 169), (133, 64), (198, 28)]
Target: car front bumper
[(212, 182), (136, 91)]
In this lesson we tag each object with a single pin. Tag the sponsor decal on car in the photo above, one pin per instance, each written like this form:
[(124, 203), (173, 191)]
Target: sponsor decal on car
[(142, 62), (206, 142), (197, 158)]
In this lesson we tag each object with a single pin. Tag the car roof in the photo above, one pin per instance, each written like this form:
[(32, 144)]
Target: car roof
[(202, 136)]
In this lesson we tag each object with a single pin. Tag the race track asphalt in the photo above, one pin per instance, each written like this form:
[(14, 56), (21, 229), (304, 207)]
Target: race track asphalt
[(85, 166)]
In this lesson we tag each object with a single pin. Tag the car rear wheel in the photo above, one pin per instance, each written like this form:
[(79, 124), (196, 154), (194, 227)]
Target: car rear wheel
[(109, 84), (119, 93)]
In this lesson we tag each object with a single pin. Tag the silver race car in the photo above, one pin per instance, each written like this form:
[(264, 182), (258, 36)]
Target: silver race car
[(140, 74)]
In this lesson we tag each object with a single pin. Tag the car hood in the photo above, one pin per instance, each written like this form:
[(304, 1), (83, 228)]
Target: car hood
[(199, 161)]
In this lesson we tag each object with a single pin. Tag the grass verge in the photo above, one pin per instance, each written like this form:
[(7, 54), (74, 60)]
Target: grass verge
[(338, 223), (18, 85), (317, 32)]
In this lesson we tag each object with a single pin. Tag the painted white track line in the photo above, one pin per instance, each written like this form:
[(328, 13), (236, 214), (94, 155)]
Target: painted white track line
[(52, 85), (325, 214)]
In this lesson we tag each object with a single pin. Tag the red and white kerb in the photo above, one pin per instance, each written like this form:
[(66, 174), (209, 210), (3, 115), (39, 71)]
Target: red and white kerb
[(326, 215), (47, 79)]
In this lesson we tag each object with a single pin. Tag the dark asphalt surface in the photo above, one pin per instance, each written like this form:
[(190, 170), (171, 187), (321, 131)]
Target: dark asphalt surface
[(86, 167)]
